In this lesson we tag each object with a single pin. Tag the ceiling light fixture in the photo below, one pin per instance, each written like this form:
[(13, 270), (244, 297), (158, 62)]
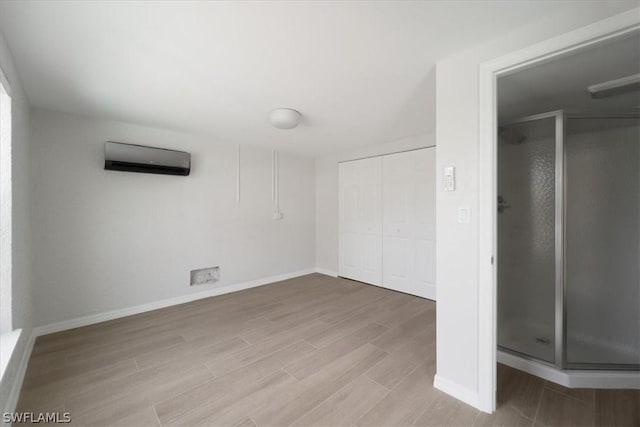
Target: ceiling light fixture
[(284, 118), (615, 87)]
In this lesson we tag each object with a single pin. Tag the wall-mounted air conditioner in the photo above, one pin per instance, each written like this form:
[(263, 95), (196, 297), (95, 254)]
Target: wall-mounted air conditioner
[(138, 158)]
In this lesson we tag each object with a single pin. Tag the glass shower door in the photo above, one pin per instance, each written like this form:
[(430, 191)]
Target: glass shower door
[(528, 236), (603, 242)]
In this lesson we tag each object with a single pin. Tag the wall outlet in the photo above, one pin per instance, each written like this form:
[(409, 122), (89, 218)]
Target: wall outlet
[(205, 276), (277, 215)]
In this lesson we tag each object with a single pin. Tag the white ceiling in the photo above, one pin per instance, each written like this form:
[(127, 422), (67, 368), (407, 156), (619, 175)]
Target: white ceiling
[(562, 83), (360, 72)]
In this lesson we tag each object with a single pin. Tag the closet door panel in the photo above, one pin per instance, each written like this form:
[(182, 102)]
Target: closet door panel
[(423, 176), (409, 222), (370, 219), (387, 221), (360, 216), (396, 228), (395, 266)]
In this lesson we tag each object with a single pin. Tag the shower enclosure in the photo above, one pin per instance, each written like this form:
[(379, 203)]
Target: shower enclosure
[(569, 240)]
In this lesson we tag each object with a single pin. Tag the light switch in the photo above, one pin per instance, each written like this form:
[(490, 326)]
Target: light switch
[(464, 215)]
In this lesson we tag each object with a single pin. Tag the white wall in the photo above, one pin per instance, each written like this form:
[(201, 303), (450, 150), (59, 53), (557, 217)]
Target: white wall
[(22, 311), (106, 240), (326, 214), (457, 141)]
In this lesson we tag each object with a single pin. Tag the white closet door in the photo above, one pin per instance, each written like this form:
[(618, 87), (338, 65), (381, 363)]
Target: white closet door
[(424, 177), (360, 220), (409, 222)]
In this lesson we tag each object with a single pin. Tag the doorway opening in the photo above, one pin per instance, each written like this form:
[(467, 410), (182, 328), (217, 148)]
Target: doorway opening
[(540, 209)]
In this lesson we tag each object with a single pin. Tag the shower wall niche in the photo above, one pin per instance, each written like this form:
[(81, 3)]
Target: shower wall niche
[(569, 240)]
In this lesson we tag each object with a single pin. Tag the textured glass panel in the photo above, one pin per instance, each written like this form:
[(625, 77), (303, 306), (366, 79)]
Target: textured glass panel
[(603, 241), (526, 238)]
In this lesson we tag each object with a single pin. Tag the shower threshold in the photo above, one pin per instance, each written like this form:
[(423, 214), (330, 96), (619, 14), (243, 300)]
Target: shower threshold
[(573, 378)]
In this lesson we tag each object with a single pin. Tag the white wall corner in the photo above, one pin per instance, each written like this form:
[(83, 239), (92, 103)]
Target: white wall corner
[(326, 272), (464, 394), (129, 311), (16, 387)]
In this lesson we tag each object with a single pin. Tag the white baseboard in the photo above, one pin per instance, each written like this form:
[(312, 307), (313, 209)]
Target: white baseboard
[(461, 393), (572, 378), (326, 272), (429, 293), (123, 312), (14, 394)]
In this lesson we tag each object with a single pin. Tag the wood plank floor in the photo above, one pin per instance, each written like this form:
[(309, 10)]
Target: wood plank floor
[(309, 351)]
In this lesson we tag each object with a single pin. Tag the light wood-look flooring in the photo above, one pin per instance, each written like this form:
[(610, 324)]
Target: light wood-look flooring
[(309, 351)]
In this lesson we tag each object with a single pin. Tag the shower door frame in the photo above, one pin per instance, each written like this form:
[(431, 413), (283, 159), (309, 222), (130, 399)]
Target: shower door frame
[(561, 282), (560, 161), (611, 28)]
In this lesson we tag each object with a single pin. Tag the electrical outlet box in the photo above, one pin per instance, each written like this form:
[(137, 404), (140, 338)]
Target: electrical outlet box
[(205, 276)]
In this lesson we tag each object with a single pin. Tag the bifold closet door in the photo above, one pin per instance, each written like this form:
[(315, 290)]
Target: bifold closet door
[(408, 231), (360, 220)]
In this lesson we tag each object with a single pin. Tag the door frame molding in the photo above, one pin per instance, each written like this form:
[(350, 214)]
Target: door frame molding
[(609, 29)]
